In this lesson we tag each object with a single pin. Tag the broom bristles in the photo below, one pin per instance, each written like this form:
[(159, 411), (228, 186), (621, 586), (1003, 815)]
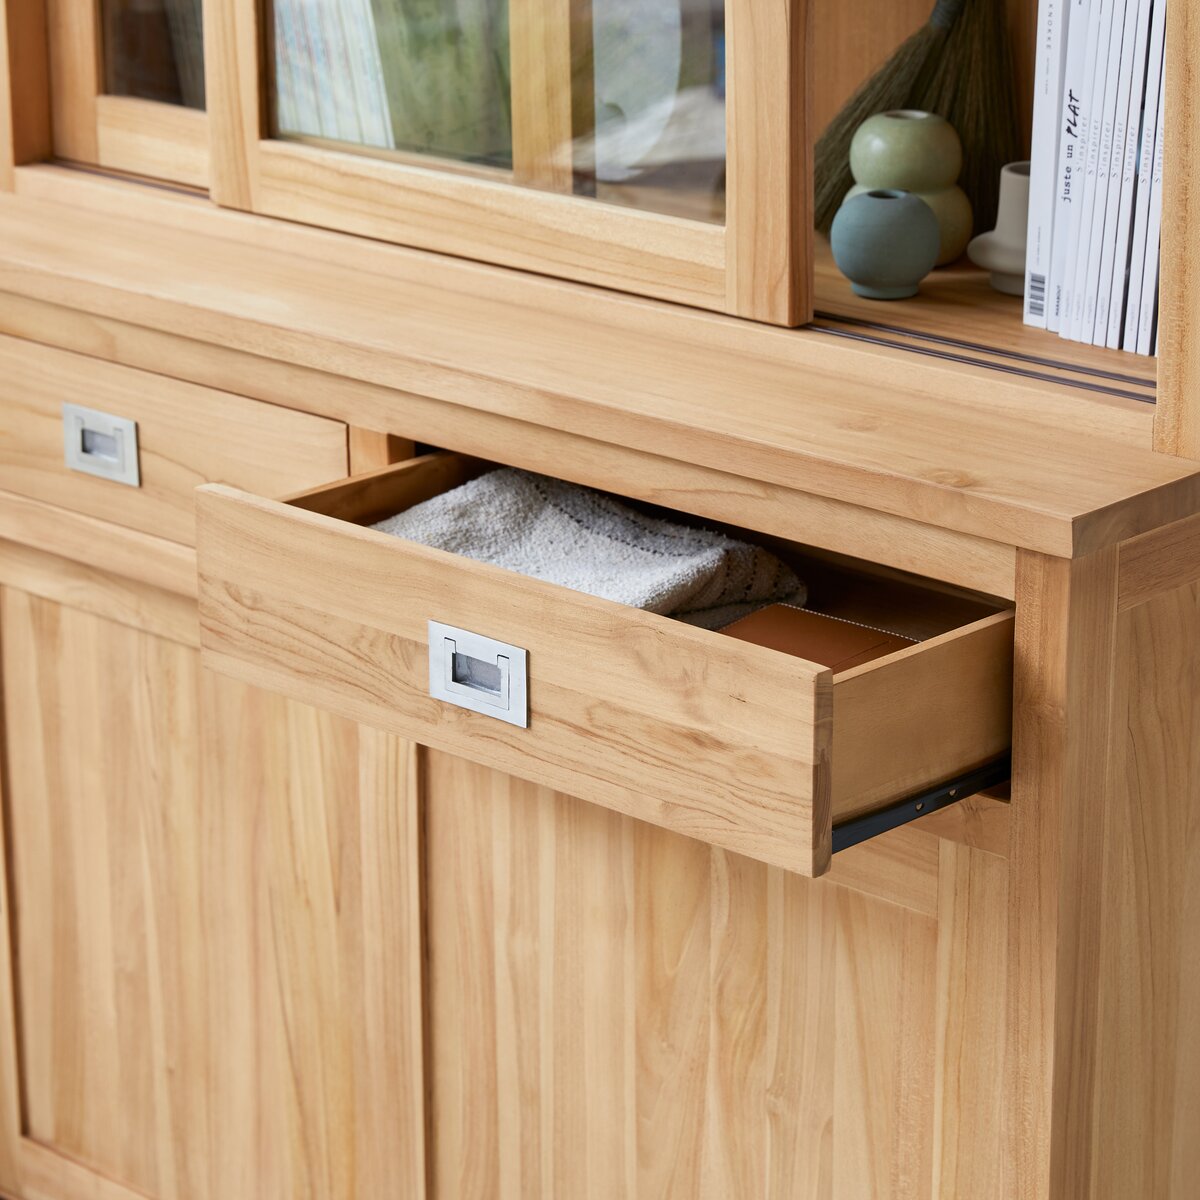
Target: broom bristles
[(959, 66), (890, 87), (972, 86)]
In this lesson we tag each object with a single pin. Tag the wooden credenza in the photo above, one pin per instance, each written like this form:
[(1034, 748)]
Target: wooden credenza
[(279, 925)]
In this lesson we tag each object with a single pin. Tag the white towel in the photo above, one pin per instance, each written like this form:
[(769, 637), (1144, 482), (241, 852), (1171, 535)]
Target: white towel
[(587, 541)]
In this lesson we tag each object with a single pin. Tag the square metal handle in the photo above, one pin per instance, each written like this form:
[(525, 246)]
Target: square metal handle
[(97, 443), (479, 673)]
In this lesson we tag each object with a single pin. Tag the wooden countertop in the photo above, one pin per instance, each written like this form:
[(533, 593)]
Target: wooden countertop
[(945, 443)]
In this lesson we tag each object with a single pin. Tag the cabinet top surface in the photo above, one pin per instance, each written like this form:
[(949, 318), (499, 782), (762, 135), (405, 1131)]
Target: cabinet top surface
[(943, 443)]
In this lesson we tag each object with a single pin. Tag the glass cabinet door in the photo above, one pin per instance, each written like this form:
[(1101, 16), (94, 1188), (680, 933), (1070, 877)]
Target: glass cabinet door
[(634, 114), (654, 146), (127, 88)]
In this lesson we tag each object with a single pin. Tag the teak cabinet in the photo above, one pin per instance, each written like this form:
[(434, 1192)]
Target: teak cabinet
[(278, 924)]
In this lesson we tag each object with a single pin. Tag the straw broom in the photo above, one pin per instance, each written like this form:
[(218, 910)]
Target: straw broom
[(958, 65)]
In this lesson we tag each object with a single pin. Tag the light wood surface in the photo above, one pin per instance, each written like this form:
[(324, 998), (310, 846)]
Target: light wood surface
[(769, 239), (127, 553), (1177, 427), (618, 1012), (996, 458), (541, 48), (960, 684), (1158, 562), (972, 965), (187, 435), (314, 900), (911, 720), (105, 827), (627, 709), (159, 141), (217, 904), (958, 314), (116, 598), (1063, 686), (25, 134), (898, 542), (73, 33)]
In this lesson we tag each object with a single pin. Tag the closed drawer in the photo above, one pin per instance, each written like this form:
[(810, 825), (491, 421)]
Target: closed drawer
[(740, 746), (187, 435)]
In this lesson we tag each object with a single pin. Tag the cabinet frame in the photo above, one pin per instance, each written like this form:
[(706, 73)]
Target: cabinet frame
[(758, 265), (117, 133)]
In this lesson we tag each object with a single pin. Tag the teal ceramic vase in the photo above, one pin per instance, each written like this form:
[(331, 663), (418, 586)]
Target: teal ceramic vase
[(917, 152), (885, 242)]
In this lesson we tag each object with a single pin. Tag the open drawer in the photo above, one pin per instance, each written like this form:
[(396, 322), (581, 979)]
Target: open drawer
[(732, 743)]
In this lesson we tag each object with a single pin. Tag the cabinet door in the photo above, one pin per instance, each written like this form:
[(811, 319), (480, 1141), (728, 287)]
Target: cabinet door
[(653, 146), (214, 927), (127, 86)]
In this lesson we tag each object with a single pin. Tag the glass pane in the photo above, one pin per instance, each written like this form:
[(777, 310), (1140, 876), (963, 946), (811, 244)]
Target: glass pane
[(154, 49), (634, 115)]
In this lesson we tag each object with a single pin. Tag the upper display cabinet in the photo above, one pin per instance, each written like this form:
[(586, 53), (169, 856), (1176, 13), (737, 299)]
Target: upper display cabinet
[(653, 146)]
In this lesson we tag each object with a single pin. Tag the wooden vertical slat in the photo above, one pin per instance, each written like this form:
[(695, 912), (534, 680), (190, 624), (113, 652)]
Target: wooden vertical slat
[(769, 235), (24, 86), (541, 44), (1177, 418), (1061, 756), (234, 80), (968, 1152), (73, 35)]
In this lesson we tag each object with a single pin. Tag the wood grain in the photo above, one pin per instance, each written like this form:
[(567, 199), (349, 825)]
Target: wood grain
[(233, 86), (187, 436), (801, 516), (946, 443), (25, 134), (159, 141), (119, 599), (108, 915), (127, 553), (1063, 686), (73, 37), (769, 239), (1177, 418), (959, 684), (628, 709), (617, 1012), (312, 872), (968, 1148), (1158, 562), (541, 49)]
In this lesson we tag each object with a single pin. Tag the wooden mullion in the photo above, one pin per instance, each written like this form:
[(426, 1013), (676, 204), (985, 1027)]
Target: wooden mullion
[(541, 50), (234, 80), (24, 86), (769, 236), (1177, 418), (73, 37)]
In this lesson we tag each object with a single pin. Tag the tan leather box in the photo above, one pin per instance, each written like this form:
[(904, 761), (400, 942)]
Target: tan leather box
[(815, 637)]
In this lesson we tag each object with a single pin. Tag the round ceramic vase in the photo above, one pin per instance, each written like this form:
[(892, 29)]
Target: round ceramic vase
[(885, 242), (916, 152), (1002, 252)]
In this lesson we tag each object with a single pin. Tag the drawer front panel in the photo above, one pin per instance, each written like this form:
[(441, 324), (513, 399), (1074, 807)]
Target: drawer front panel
[(701, 734), (187, 435), (740, 746)]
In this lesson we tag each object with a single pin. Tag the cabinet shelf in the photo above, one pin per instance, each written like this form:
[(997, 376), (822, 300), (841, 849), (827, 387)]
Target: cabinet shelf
[(959, 316)]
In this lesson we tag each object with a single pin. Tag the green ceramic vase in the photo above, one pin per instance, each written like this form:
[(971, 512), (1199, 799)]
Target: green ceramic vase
[(916, 152)]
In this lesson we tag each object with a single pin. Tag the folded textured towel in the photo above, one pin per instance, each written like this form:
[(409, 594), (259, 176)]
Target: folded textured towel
[(587, 541)]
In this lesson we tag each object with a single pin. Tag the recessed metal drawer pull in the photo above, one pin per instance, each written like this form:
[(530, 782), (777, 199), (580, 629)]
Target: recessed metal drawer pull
[(479, 673), (97, 443)]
